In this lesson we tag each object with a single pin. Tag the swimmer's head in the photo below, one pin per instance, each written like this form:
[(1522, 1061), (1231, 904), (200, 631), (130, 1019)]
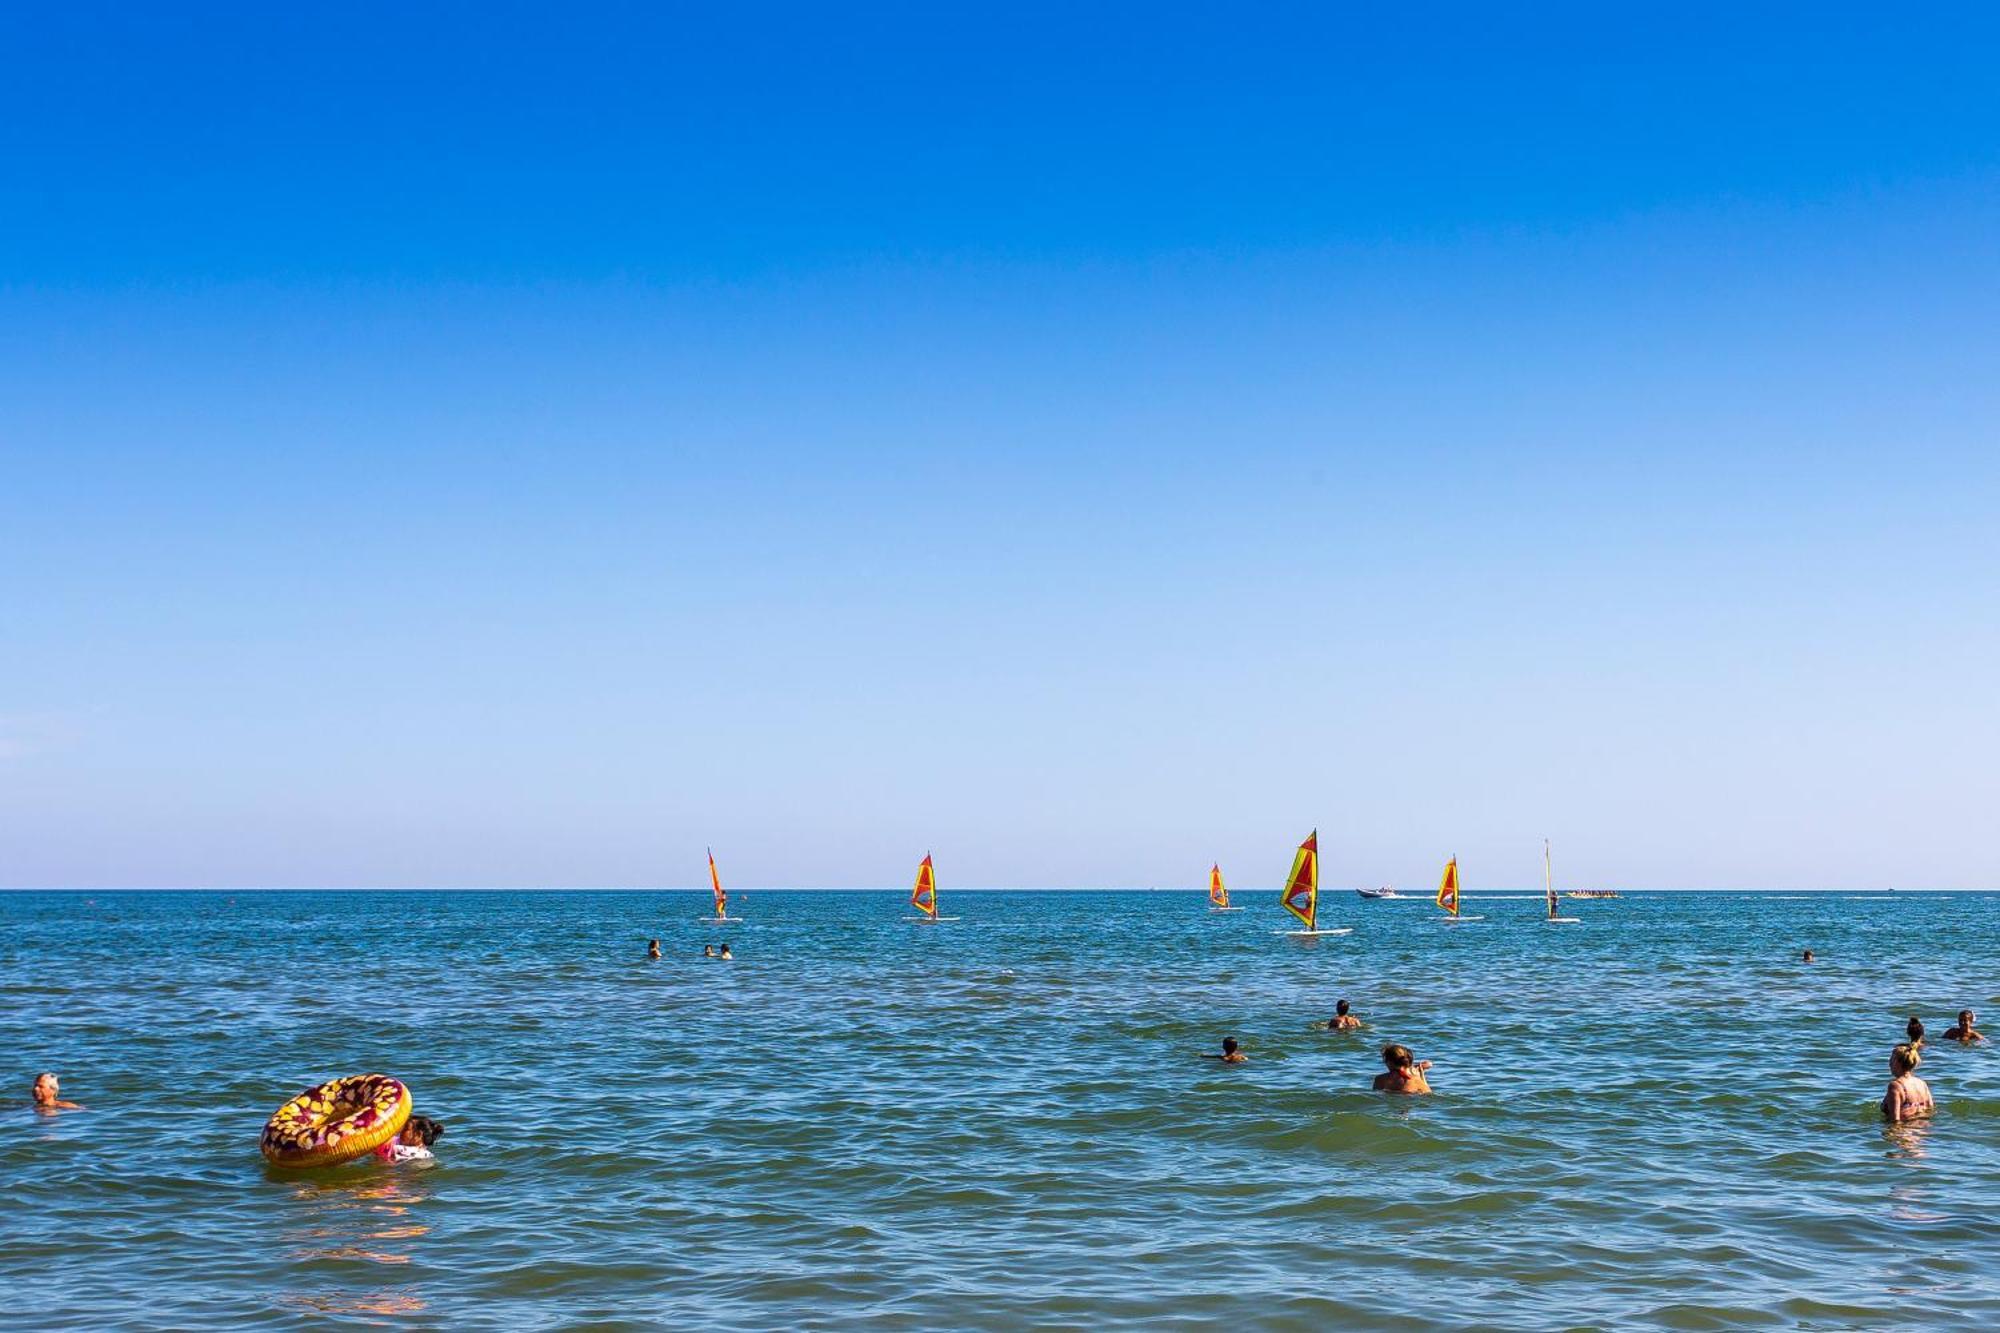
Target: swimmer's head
[(1340, 1007), (46, 1088), (1915, 1029), (1229, 1045), (1396, 1057), (422, 1131), (1903, 1059), (1808, 955), (1965, 1017)]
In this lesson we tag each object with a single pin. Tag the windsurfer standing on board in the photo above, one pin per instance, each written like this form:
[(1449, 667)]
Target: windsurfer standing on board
[(1405, 1074)]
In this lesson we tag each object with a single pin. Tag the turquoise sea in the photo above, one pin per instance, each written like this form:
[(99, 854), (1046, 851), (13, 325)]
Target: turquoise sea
[(1657, 1118)]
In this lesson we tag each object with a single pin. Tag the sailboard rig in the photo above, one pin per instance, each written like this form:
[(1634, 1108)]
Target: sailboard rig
[(923, 894), (1301, 895), (1218, 892), (1448, 895), (1549, 888), (721, 898)]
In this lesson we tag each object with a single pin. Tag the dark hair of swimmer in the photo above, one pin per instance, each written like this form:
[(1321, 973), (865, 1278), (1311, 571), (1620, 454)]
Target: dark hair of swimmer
[(426, 1129), (1396, 1057), (1341, 1007), (1229, 1045), (1914, 1028), (1965, 1018), (1808, 956)]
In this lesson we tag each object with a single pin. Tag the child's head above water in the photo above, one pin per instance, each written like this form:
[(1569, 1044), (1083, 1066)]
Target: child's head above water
[(421, 1132)]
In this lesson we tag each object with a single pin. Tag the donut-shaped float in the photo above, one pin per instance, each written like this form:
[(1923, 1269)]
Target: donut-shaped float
[(336, 1122)]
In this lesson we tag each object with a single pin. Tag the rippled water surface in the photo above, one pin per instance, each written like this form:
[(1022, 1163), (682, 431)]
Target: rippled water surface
[(1659, 1117)]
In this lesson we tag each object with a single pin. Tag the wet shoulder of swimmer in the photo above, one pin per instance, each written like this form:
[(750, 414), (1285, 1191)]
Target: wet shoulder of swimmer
[(413, 1143), (1908, 1097), (1232, 1054), (1403, 1074), (46, 1094), (1342, 1020)]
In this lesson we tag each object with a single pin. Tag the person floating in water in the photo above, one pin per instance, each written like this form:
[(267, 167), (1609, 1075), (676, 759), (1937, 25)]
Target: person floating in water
[(708, 951), (1808, 956), (1914, 1030), (1908, 1097), (725, 955), (1231, 1055), (1404, 1074), (652, 948), (1964, 1032), (1342, 1021), (413, 1143), (46, 1090)]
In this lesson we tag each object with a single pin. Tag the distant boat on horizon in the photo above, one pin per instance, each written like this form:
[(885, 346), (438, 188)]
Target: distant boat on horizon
[(1375, 895)]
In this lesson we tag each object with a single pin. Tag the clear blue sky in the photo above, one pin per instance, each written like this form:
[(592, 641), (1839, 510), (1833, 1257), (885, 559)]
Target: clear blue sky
[(522, 445)]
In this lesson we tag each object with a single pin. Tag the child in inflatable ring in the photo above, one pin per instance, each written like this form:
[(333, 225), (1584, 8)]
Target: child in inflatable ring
[(413, 1144)]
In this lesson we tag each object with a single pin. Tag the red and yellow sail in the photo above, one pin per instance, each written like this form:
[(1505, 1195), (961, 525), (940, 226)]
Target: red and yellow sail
[(1302, 885), (1448, 887), (721, 898), (1218, 893), (923, 896)]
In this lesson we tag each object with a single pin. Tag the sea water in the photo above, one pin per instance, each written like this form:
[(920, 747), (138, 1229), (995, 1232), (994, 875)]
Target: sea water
[(1658, 1117)]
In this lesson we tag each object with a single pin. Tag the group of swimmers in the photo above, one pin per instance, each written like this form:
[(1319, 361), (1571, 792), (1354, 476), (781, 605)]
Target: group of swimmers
[(1909, 1097), (1403, 1073), (720, 951)]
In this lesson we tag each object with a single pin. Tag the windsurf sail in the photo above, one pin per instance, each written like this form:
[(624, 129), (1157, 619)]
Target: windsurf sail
[(1448, 887), (923, 896), (721, 898), (1218, 892), (1302, 885), (1548, 879)]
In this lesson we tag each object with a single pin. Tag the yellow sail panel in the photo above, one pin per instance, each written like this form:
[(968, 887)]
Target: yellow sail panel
[(1302, 885), (923, 896), (1448, 887), (1218, 893), (721, 898)]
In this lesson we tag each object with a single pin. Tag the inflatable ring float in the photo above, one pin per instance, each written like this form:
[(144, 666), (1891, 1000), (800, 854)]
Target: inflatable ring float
[(337, 1122)]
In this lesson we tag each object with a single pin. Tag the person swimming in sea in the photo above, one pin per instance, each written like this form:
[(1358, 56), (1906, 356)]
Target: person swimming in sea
[(1914, 1030), (46, 1094), (652, 948), (1404, 1074), (1908, 1097), (413, 1142), (1964, 1032), (708, 951), (1231, 1054), (725, 955), (1808, 957), (1342, 1021)]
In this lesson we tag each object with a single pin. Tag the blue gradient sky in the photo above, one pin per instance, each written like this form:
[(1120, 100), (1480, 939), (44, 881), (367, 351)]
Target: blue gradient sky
[(515, 446)]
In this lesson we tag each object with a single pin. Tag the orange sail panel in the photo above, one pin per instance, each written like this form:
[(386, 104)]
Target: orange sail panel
[(1302, 886), (923, 897), (1218, 893), (721, 898), (1448, 887)]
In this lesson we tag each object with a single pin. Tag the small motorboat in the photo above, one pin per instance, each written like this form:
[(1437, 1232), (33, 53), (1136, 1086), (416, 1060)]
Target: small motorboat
[(1384, 892)]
